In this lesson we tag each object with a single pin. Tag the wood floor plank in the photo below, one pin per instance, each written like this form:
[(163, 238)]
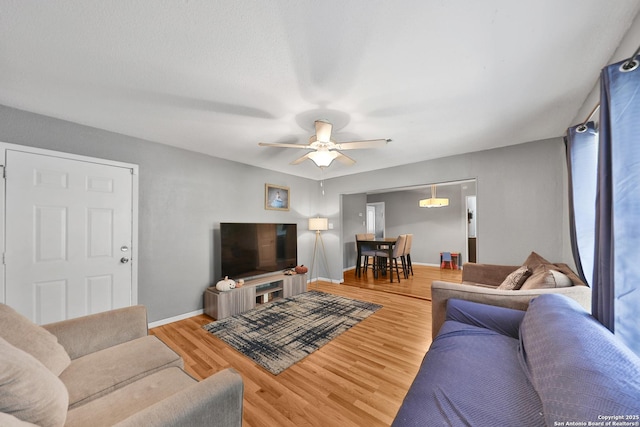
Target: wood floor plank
[(358, 379)]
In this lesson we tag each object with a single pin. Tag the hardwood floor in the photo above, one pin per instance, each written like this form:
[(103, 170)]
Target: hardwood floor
[(358, 379), (417, 286)]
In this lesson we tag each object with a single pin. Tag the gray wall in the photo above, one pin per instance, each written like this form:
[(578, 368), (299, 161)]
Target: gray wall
[(183, 198), (520, 198), (353, 222)]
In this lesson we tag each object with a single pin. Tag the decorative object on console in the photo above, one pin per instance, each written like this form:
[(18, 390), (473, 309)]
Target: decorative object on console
[(318, 224), (276, 197), (301, 269), (225, 284), (281, 333)]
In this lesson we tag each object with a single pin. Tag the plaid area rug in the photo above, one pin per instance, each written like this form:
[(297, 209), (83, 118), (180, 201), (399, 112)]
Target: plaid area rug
[(281, 333)]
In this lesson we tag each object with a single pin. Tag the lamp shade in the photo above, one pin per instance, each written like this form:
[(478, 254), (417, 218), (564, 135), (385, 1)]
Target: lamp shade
[(318, 224)]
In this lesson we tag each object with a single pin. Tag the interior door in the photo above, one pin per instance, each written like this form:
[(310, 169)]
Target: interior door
[(68, 236)]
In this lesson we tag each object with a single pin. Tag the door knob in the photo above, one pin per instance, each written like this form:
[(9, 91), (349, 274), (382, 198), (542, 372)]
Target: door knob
[(124, 260)]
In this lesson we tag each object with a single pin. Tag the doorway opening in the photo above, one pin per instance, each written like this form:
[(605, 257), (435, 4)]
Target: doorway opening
[(375, 219), (471, 229)]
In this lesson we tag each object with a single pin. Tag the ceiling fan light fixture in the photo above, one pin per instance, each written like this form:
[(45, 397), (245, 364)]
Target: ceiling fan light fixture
[(323, 158), (433, 201), (326, 150)]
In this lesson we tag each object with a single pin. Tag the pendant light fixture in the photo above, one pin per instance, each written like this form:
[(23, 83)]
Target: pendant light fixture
[(433, 202)]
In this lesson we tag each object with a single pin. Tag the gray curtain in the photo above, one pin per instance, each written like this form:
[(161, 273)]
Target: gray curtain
[(582, 154), (616, 279)]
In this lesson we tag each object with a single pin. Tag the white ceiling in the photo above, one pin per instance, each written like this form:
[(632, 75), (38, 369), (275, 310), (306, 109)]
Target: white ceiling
[(437, 77)]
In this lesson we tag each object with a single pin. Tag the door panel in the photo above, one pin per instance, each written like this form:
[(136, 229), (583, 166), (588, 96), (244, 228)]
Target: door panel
[(67, 221)]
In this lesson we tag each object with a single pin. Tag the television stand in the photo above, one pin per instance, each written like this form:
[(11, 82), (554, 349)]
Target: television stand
[(269, 292), (221, 304)]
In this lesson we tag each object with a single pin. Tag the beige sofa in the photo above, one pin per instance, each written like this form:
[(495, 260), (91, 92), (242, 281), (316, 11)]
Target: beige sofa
[(104, 370), (480, 283)]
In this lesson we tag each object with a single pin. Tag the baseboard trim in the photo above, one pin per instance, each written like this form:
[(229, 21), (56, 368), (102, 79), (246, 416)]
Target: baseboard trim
[(324, 279), (174, 319)]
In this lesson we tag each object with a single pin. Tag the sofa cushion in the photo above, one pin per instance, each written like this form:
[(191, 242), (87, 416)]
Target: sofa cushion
[(580, 370), (514, 280), (505, 321), (29, 390), (99, 373), (130, 399), (33, 339), (471, 376)]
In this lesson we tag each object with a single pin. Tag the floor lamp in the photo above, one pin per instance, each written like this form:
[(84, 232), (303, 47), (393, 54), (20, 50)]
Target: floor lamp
[(318, 225)]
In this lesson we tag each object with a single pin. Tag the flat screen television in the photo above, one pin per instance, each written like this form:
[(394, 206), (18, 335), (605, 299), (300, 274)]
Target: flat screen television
[(254, 249)]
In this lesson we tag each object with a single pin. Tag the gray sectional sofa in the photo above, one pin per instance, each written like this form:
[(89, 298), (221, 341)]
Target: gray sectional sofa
[(104, 370), (483, 283), (551, 365)]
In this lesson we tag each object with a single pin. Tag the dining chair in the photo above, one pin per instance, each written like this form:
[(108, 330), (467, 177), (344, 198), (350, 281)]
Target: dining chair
[(446, 259), (398, 251), (406, 257), (367, 252)]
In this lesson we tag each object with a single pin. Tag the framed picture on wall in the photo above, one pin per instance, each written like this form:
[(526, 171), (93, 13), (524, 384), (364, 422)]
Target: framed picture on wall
[(276, 197)]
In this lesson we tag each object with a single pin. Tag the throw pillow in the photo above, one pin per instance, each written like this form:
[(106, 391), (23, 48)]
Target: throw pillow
[(33, 339), (514, 281), (534, 260), (29, 391), (561, 279), (544, 279)]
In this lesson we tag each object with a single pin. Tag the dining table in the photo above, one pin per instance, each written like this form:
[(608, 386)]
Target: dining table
[(379, 244)]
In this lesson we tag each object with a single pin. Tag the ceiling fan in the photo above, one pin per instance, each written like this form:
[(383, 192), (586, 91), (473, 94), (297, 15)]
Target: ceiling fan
[(325, 149)]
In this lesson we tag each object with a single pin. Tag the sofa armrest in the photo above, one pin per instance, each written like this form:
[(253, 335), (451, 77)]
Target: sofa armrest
[(519, 300), (216, 400), (95, 332), (487, 274)]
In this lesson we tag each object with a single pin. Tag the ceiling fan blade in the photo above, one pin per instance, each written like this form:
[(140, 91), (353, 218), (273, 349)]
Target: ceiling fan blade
[(353, 145), (283, 145), (300, 159), (345, 160), (323, 131)]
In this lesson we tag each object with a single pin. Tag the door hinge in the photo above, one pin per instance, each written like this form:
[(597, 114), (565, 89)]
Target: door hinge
[(4, 171), (3, 261)]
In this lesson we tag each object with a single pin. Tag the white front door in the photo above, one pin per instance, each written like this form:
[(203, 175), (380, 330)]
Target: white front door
[(68, 236)]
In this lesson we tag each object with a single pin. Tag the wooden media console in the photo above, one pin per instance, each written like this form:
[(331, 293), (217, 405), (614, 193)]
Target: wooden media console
[(221, 304)]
